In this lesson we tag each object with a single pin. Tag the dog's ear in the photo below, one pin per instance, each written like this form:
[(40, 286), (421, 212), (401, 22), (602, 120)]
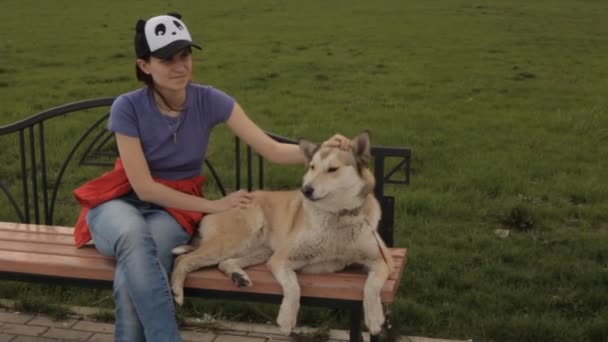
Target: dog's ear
[(361, 147), (308, 148)]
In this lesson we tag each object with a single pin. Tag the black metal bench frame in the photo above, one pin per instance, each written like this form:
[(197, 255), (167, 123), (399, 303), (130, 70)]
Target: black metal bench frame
[(36, 202)]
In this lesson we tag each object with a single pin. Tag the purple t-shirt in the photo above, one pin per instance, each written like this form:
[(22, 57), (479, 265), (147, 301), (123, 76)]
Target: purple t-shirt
[(171, 156)]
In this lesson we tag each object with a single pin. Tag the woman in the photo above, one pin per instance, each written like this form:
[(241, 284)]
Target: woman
[(151, 202)]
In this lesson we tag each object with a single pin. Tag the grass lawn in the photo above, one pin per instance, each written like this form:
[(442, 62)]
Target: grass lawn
[(502, 102)]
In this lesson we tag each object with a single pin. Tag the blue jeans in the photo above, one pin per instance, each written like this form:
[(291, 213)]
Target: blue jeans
[(140, 236)]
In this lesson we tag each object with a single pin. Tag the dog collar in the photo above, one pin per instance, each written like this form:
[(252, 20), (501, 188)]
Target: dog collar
[(349, 212)]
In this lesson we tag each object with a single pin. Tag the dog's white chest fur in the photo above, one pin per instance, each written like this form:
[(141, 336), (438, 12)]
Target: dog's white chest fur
[(332, 238)]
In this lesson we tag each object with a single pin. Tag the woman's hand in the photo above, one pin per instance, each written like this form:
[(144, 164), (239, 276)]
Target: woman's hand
[(339, 141), (235, 199)]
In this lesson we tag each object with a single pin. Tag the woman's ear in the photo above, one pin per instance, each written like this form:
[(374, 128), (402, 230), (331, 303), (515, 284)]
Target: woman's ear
[(143, 66)]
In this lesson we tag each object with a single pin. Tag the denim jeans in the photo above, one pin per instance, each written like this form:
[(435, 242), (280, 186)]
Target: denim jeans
[(140, 236)]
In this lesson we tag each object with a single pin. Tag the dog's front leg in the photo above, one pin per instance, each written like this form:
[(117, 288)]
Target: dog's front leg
[(283, 271), (372, 306)]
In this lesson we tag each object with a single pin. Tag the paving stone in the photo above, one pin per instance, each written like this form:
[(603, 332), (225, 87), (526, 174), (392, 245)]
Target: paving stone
[(272, 338), (197, 336), (34, 339), (22, 329), (237, 338), (101, 338), (11, 317), (16, 327), (50, 322), (254, 328), (340, 335), (94, 327), (68, 334), (6, 338)]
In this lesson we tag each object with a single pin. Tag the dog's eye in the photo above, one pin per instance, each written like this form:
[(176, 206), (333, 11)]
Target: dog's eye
[(312, 167), (332, 169)]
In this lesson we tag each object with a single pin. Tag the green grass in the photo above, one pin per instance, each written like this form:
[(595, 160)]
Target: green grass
[(502, 102)]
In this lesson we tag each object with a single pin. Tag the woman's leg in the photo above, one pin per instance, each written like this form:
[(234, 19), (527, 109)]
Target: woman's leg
[(167, 234), (141, 289)]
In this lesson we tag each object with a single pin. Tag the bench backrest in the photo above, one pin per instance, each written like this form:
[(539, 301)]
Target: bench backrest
[(35, 197)]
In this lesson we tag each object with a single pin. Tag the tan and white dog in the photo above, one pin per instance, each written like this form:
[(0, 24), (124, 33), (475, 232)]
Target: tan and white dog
[(328, 224)]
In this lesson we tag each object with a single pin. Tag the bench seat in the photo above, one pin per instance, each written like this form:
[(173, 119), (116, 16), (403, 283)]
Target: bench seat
[(49, 251)]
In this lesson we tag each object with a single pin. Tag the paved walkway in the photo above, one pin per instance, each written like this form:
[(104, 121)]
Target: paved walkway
[(22, 327)]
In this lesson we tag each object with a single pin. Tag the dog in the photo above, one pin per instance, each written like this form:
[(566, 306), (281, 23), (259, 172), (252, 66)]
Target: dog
[(330, 223)]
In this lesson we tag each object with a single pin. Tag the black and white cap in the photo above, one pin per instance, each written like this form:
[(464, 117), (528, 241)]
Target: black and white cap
[(161, 36)]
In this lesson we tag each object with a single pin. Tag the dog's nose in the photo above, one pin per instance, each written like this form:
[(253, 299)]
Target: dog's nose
[(307, 190)]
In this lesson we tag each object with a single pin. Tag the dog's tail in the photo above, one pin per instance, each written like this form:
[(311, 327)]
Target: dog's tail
[(183, 249)]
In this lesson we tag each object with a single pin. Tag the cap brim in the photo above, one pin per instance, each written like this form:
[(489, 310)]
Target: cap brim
[(167, 51)]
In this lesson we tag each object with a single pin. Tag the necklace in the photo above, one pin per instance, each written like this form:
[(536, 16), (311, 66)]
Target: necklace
[(174, 123)]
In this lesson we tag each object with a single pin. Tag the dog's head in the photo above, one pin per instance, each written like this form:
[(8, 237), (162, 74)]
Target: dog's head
[(338, 179)]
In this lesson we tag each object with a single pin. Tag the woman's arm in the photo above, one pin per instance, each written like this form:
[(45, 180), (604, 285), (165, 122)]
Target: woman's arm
[(253, 136), (148, 190), (267, 147)]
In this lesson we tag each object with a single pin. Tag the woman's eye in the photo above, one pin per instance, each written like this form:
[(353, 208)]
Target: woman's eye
[(332, 169)]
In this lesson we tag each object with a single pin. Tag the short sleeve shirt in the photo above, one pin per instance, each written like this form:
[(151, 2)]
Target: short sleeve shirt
[(174, 148)]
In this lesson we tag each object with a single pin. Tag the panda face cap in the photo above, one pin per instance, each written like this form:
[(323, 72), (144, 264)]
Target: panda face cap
[(162, 36)]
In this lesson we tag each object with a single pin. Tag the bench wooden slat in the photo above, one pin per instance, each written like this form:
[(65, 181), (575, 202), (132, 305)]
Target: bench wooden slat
[(36, 228), (56, 265), (45, 238), (322, 286), (51, 249), (44, 250), (90, 252)]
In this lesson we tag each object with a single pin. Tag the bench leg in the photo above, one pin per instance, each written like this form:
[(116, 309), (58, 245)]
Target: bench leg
[(356, 316)]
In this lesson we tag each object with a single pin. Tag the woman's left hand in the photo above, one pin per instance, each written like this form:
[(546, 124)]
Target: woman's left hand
[(339, 141)]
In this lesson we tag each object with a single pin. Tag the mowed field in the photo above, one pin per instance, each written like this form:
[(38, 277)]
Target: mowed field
[(503, 104)]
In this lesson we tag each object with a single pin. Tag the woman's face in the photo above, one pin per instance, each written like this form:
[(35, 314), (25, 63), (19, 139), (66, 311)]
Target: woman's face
[(171, 74)]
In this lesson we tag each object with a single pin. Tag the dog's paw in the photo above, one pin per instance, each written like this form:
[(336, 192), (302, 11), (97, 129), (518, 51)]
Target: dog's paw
[(374, 324), (178, 295), (285, 327), (374, 316), (288, 315), (374, 319), (241, 280)]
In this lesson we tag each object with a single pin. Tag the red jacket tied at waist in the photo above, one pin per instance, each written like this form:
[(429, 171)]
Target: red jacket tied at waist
[(114, 184)]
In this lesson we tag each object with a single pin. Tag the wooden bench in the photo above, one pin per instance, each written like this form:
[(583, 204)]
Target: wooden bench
[(36, 250)]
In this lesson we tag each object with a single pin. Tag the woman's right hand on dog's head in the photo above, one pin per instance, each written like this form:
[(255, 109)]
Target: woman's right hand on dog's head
[(339, 141), (235, 199)]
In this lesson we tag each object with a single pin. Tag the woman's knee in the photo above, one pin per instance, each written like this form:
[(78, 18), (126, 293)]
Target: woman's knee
[(116, 225)]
